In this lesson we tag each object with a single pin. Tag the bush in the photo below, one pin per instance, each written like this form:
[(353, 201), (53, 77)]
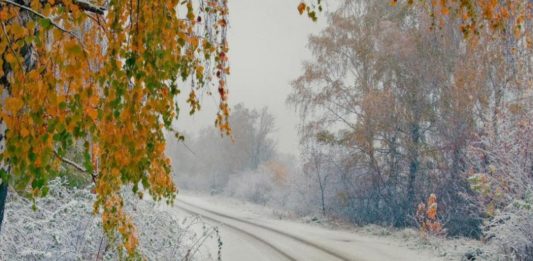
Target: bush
[(427, 219), (64, 228), (511, 232)]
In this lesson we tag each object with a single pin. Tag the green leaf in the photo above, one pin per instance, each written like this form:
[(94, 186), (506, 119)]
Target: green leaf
[(3, 175), (45, 23), (32, 156), (44, 191), (76, 49)]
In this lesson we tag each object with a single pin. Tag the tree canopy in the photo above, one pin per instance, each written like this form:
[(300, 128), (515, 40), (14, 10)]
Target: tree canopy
[(411, 111), (105, 74), (473, 16)]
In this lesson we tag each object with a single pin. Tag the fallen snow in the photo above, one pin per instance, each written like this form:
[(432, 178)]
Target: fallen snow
[(366, 243), (64, 228)]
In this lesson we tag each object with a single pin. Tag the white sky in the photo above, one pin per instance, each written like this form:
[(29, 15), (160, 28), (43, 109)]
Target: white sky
[(267, 41)]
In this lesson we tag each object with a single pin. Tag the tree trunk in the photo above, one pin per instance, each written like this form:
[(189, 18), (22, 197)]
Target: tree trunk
[(413, 168), (3, 184), (30, 60), (3, 197), (321, 184), (322, 188), (323, 206)]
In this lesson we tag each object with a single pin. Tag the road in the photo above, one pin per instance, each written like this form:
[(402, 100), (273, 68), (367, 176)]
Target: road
[(247, 237)]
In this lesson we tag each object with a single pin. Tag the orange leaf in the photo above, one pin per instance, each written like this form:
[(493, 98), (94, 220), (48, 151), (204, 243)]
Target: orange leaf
[(301, 7), (92, 113), (14, 104), (24, 132)]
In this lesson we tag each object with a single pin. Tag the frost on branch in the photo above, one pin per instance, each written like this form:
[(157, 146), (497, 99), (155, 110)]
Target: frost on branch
[(511, 231), (64, 228), (505, 186)]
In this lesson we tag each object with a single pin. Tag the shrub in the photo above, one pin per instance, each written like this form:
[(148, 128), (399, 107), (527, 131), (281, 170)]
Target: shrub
[(64, 228), (427, 219)]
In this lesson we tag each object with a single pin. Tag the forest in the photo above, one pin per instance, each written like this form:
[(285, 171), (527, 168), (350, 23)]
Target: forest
[(394, 109), (411, 115), (409, 112)]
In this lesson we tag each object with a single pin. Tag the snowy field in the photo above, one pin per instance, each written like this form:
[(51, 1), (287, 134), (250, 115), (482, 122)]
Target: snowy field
[(202, 227)]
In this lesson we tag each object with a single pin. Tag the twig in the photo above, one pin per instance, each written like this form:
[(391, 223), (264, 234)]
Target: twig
[(87, 6), (9, 45), (76, 166), (39, 15), (189, 149), (99, 247), (59, 27)]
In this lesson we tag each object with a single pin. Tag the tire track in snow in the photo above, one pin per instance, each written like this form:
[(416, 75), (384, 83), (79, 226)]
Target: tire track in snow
[(242, 231), (268, 228)]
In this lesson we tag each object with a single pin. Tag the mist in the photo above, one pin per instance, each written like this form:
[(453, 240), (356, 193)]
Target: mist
[(266, 130)]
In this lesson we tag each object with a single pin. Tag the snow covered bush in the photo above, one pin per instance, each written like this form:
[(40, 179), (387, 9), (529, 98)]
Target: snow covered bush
[(255, 186), (62, 227), (511, 232), (502, 176), (278, 184)]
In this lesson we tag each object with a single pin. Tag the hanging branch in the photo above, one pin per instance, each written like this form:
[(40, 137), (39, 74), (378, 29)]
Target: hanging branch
[(76, 166)]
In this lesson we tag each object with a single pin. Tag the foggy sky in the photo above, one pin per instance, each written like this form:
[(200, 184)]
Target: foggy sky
[(267, 46)]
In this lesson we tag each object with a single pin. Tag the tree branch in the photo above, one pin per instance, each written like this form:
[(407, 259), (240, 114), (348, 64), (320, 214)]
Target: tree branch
[(83, 5), (90, 7), (59, 27), (40, 15), (76, 166), (9, 45)]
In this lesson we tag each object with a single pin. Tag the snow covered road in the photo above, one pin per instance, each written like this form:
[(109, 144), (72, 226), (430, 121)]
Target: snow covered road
[(251, 237), (283, 245)]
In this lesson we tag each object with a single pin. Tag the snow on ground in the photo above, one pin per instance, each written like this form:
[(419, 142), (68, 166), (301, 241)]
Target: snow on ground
[(63, 228), (369, 242)]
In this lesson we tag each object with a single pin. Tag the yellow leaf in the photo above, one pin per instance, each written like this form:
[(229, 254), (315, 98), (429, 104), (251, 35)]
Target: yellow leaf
[(18, 31), (199, 70), (24, 132), (93, 100), (14, 104), (92, 113)]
